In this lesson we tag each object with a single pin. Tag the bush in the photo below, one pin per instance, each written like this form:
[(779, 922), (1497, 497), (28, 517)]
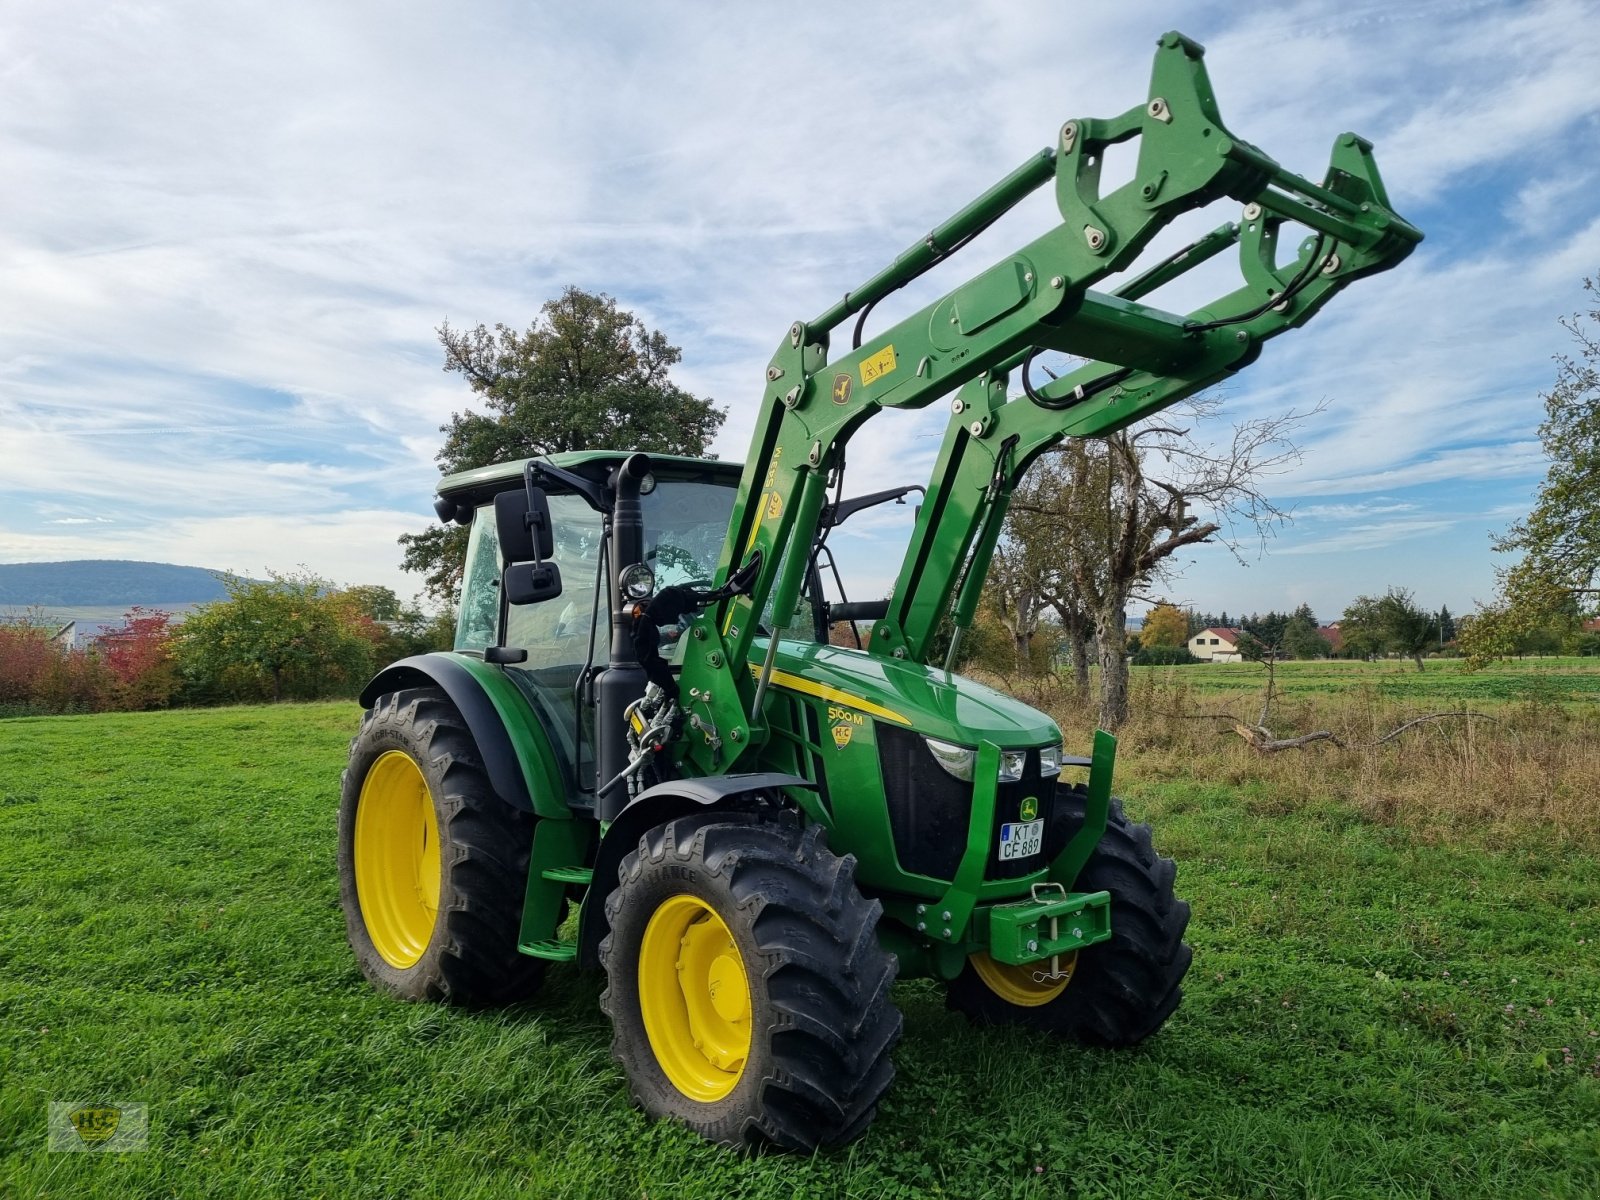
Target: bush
[(1164, 656), (290, 638)]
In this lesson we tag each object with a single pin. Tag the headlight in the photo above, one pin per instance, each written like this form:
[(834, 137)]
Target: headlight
[(956, 760), (1012, 764), (637, 582), (1050, 762)]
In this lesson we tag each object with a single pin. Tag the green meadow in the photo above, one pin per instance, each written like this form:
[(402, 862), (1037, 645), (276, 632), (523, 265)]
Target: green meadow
[(1383, 1002)]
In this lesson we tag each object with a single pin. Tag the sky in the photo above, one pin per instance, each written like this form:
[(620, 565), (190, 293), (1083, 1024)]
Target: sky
[(229, 232)]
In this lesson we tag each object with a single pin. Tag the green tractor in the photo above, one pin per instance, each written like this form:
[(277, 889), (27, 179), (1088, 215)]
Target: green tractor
[(644, 756)]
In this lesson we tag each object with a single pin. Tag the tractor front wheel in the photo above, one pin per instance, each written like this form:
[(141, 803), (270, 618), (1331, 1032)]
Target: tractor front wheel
[(1113, 994), (747, 991), (432, 862)]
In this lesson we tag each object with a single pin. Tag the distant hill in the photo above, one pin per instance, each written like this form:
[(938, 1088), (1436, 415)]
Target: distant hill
[(105, 581)]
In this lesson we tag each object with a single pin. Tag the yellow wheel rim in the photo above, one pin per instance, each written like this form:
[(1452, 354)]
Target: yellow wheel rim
[(1016, 985), (397, 859), (694, 996)]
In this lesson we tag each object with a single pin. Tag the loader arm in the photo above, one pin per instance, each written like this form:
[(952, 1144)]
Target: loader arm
[(1141, 360)]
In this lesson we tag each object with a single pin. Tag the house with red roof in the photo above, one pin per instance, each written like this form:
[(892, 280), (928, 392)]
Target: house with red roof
[(1216, 645)]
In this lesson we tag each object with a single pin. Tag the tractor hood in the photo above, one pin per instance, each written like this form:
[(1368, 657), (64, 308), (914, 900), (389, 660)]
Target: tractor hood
[(910, 695)]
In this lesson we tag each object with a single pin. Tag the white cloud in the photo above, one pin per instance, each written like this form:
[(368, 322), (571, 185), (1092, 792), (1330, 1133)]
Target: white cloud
[(231, 230)]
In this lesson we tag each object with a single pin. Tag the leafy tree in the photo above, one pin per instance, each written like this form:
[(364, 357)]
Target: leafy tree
[(1388, 624), (584, 375), (1165, 625), (1362, 629), (1411, 630), (375, 602), (291, 636), (1560, 539), (1300, 636)]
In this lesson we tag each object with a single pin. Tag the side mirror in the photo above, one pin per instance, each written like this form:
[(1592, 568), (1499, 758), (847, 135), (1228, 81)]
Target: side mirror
[(528, 583), (522, 519)]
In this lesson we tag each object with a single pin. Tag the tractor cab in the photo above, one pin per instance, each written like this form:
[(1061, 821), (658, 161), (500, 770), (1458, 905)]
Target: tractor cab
[(566, 637)]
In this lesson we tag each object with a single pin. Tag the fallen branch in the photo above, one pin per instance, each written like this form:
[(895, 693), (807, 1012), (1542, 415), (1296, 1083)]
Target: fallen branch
[(1262, 740), (1399, 729)]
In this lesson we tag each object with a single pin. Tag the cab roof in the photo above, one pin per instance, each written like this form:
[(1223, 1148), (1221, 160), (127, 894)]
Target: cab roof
[(480, 483)]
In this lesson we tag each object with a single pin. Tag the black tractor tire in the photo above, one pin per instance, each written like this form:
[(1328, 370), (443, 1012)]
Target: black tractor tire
[(1122, 990), (821, 1024), (465, 951)]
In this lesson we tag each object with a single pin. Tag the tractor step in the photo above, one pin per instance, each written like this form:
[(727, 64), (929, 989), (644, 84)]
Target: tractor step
[(554, 951), (568, 874)]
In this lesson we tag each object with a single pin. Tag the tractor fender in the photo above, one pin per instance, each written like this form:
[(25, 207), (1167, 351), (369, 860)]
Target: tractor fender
[(651, 807), (483, 720)]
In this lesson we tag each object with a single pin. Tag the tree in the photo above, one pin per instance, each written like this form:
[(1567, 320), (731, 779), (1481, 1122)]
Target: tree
[(1028, 576), (1388, 624), (1559, 540), (375, 602), (584, 375), (291, 636), (1362, 629), (1447, 625), (1300, 636), (1120, 507), (1411, 631), (1165, 625)]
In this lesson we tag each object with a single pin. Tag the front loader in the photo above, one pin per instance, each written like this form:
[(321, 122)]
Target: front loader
[(644, 757)]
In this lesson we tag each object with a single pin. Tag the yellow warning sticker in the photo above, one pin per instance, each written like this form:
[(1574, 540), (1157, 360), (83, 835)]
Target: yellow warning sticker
[(877, 366)]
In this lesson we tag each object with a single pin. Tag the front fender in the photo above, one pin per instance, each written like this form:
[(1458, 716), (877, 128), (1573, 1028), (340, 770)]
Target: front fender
[(651, 807), (516, 751)]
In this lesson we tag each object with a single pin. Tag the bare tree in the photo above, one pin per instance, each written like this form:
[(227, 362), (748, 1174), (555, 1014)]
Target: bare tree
[(1115, 511), (1029, 576)]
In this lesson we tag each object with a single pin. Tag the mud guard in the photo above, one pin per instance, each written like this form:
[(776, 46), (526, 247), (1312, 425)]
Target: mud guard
[(652, 807), (483, 718)]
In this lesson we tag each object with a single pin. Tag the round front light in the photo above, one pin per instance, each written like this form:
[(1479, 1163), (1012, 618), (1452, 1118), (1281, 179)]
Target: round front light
[(637, 582)]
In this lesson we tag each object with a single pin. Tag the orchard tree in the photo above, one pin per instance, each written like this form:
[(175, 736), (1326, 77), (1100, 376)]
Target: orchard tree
[(1559, 541), (584, 375), (1388, 624), (1028, 578), (1118, 508)]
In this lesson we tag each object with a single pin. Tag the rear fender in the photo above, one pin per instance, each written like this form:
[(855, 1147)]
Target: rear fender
[(516, 751), (722, 795)]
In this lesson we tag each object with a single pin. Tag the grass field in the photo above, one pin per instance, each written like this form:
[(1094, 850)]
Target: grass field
[(1446, 679), (1374, 1009)]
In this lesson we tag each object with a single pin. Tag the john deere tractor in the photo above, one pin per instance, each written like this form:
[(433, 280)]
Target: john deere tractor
[(644, 756)]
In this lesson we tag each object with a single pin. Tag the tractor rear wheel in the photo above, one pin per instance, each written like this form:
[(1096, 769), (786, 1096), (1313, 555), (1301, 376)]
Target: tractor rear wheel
[(748, 994), (1113, 994), (432, 862)]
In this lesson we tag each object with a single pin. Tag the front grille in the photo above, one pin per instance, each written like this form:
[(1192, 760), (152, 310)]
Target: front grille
[(930, 811)]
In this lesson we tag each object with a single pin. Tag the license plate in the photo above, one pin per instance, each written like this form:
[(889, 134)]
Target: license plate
[(1019, 839)]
